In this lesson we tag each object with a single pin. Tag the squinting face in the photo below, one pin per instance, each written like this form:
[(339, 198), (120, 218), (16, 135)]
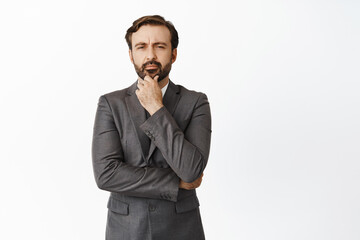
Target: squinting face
[(151, 51)]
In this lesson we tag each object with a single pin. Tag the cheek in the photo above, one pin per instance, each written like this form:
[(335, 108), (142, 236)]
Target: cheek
[(138, 57), (166, 57)]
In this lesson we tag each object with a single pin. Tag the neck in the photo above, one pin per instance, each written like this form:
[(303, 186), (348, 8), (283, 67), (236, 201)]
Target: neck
[(163, 82)]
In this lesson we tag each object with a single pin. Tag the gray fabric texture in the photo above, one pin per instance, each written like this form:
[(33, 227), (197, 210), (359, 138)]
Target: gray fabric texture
[(141, 160)]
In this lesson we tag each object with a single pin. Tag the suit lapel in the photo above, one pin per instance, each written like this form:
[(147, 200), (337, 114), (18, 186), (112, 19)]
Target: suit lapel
[(170, 101), (171, 97), (138, 117)]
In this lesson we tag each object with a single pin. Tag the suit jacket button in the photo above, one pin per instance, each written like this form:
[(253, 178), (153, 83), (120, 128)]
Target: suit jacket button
[(152, 208)]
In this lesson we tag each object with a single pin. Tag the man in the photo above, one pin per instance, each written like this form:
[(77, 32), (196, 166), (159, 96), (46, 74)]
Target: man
[(151, 143)]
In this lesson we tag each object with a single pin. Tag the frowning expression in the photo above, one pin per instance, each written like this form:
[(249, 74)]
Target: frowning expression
[(151, 51)]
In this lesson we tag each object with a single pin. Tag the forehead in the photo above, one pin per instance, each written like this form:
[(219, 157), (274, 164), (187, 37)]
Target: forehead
[(151, 33)]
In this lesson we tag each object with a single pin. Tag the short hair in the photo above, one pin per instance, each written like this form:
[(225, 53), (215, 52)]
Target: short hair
[(153, 20)]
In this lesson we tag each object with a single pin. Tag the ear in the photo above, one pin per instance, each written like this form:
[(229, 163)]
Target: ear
[(131, 57), (173, 55)]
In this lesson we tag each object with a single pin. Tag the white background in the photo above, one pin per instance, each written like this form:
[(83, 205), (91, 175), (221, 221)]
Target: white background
[(282, 79)]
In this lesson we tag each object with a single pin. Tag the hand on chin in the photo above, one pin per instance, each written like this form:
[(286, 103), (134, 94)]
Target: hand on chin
[(151, 74)]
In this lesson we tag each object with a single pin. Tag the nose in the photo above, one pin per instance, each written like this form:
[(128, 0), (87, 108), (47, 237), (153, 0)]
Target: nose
[(151, 55)]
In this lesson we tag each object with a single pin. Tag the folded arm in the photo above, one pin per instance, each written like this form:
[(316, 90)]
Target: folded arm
[(185, 151), (113, 174)]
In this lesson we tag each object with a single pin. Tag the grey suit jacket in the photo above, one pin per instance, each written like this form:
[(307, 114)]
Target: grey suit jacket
[(140, 161)]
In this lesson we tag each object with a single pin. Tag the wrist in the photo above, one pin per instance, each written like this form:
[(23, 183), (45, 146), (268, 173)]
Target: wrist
[(155, 108)]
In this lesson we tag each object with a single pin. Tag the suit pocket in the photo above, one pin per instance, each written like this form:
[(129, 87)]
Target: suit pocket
[(117, 206), (187, 204)]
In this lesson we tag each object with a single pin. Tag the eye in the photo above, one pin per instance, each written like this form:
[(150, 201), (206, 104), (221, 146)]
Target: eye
[(159, 46)]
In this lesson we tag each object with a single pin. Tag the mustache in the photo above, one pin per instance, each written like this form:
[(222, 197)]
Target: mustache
[(150, 63)]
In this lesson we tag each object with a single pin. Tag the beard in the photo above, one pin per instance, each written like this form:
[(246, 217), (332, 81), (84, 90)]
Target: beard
[(162, 72)]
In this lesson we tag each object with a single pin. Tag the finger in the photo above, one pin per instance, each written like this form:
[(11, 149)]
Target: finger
[(147, 78), (156, 78), (142, 83), (140, 86)]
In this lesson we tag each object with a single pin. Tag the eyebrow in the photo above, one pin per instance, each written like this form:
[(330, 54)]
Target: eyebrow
[(140, 43), (160, 43)]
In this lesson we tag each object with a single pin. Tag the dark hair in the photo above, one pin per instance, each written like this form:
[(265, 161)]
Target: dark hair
[(153, 20)]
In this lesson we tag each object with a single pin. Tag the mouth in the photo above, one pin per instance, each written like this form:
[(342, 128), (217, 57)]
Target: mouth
[(151, 67)]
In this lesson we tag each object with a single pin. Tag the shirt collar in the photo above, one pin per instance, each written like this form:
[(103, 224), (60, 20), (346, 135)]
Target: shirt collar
[(163, 90)]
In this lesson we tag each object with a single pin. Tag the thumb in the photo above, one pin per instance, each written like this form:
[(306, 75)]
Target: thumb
[(156, 78)]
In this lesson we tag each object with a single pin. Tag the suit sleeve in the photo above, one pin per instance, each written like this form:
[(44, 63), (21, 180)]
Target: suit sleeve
[(186, 152), (114, 175)]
